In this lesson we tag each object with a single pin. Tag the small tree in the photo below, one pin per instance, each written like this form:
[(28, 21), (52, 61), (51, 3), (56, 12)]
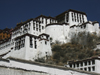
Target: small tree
[(56, 56)]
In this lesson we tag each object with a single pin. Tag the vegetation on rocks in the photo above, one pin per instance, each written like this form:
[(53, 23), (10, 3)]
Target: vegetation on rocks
[(81, 47)]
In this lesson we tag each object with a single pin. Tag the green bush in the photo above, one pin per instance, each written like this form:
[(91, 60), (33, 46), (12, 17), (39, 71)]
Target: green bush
[(42, 60), (56, 56), (56, 48)]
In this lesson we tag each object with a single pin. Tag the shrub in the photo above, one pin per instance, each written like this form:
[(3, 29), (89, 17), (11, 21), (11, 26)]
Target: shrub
[(42, 60), (56, 56), (56, 48)]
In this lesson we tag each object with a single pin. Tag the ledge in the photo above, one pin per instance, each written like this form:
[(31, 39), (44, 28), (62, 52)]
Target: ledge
[(52, 66)]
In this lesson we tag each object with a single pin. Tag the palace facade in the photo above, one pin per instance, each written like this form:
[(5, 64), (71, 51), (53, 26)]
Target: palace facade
[(31, 39)]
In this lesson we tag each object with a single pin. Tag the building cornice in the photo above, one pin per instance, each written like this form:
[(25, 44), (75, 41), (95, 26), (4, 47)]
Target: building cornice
[(57, 24), (44, 34), (95, 22), (27, 34), (71, 10), (23, 23), (88, 59)]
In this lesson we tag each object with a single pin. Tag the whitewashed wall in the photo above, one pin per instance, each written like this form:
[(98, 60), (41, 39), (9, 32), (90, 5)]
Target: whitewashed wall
[(50, 69), (97, 66), (58, 32), (15, 71), (71, 23)]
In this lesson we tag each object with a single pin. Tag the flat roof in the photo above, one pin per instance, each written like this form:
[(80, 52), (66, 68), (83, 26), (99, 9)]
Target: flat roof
[(70, 11)]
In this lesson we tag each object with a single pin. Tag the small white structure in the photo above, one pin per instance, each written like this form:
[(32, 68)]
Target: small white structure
[(91, 64)]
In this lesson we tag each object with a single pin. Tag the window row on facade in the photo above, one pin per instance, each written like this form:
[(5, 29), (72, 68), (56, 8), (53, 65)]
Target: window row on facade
[(61, 19), (23, 29), (47, 20), (16, 32), (37, 27), (31, 43), (67, 17), (81, 64), (20, 43), (88, 68), (76, 17)]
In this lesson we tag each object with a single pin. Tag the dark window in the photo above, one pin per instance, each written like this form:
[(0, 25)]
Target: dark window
[(77, 64), (33, 26), (80, 18), (85, 63), (47, 37), (85, 69), (89, 68), (89, 62), (93, 68), (81, 68), (42, 27), (83, 18), (81, 63), (50, 20), (36, 29), (72, 17), (74, 65), (31, 44), (46, 21), (70, 65), (75, 17), (93, 61), (67, 17), (36, 25), (35, 44), (46, 42), (61, 19), (42, 20)]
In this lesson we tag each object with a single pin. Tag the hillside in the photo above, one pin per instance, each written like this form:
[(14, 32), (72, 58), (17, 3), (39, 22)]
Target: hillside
[(81, 47)]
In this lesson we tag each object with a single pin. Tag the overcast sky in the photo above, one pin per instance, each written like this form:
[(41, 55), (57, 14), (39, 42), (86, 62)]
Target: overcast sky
[(15, 11)]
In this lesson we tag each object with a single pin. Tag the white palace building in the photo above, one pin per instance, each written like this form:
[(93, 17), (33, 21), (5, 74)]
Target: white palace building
[(31, 39)]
